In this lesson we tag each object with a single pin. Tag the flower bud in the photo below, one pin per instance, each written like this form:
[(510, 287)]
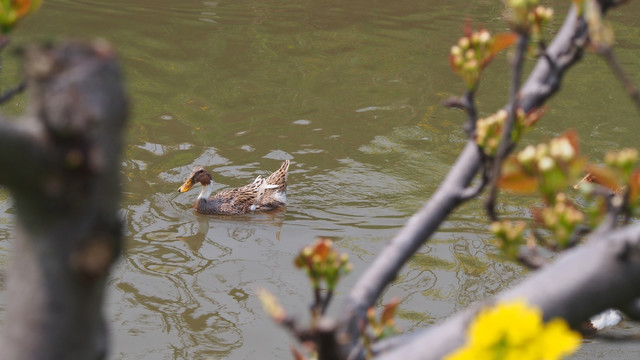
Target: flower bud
[(485, 37), (456, 51), (463, 43), (527, 155), (546, 163)]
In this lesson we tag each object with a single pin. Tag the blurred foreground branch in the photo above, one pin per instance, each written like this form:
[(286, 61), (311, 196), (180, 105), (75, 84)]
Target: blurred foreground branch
[(545, 79), (599, 275), (61, 164)]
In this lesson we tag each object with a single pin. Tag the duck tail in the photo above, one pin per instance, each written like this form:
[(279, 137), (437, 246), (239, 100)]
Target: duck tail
[(279, 177)]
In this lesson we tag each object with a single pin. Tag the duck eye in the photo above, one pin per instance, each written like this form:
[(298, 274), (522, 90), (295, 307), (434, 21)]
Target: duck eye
[(200, 171)]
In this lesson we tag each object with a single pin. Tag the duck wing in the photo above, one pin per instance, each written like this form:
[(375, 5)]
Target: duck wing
[(243, 199), (276, 193)]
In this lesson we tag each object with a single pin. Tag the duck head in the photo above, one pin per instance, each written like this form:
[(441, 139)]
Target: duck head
[(198, 175)]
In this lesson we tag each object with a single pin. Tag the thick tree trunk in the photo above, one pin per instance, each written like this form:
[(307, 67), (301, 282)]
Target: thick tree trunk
[(61, 163)]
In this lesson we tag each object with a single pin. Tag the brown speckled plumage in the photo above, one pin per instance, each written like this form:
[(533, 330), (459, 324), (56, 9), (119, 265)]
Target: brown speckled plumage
[(260, 195)]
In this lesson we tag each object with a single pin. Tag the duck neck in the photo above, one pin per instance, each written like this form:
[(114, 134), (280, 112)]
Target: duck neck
[(207, 189)]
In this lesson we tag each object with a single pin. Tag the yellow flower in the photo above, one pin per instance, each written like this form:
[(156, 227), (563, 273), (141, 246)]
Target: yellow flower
[(514, 322), (557, 340), (515, 331), (469, 353)]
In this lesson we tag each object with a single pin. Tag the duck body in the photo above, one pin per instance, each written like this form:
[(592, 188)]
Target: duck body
[(260, 195)]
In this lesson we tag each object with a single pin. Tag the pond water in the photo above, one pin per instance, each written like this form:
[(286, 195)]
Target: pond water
[(350, 92)]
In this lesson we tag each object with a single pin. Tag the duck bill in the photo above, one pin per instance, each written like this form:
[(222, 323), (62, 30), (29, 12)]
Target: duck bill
[(186, 186)]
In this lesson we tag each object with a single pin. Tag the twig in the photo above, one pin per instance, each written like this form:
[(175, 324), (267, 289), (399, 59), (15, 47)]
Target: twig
[(327, 341), (607, 53), (552, 289), (531, 259), (11, 92), (471, 192), (472, 116), (543, 54), (455, 102), (468, 104), (565, 49), (506, 143), (326, 300), (302, 334), (316, 307)]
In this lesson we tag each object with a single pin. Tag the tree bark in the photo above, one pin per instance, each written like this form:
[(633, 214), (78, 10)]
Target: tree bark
[(566, 48), (61, 163), (582, 282), (545, 79)]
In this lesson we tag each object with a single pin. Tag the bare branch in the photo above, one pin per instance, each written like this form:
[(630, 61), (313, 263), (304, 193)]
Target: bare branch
[(506, 142), (468, 104), (471, 192), (605, 271), (327, 340), (64, 177), (419, 227), (455, 102), (566, 48), (608, 54), (21, 137), (12, 92), (531, 258)]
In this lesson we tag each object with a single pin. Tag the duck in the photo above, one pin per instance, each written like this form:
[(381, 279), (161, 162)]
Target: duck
[(260, 195)]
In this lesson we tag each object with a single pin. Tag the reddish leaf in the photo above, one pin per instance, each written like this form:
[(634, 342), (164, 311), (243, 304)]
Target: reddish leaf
[(519, 183), (297, 355), (502, 41), (389, 312), (604, 176), (23, 7), (534, 115), (322, 247), (634, 186)]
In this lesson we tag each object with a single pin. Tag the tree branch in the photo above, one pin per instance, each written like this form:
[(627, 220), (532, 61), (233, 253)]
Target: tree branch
[(632, 309), (63, 169), (606, 271), (24, 138), (608, 54), (506, 142), (543, 82), (12, 92), (419, 227)]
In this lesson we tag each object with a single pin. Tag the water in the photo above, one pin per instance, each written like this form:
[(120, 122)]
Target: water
[(351, 93)]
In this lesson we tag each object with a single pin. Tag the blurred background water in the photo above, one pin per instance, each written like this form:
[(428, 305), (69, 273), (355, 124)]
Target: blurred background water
[(351, 93)]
